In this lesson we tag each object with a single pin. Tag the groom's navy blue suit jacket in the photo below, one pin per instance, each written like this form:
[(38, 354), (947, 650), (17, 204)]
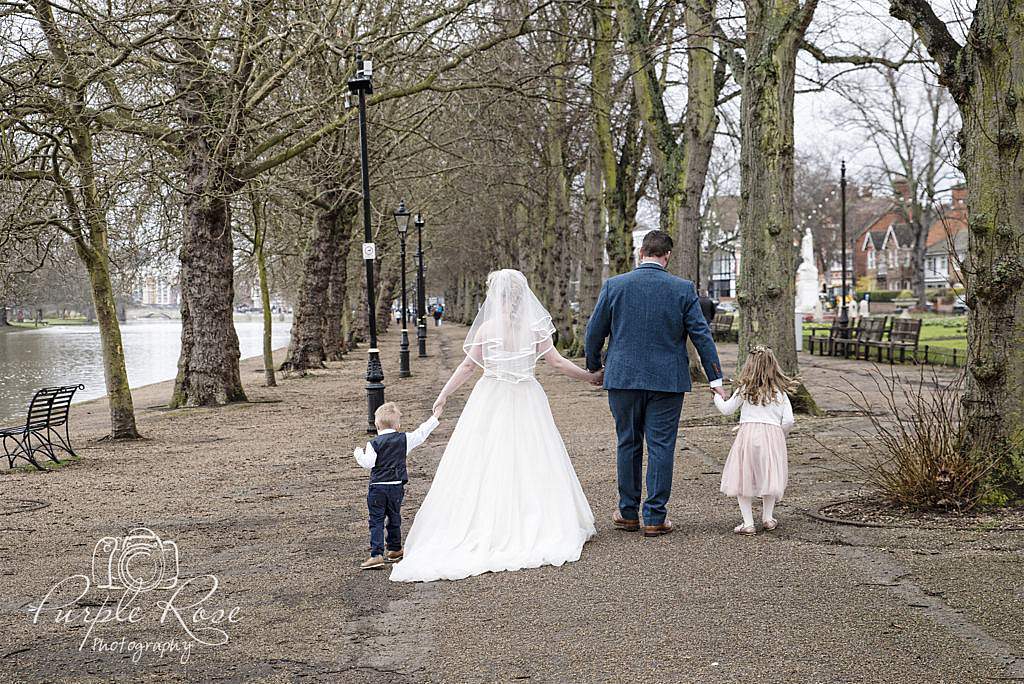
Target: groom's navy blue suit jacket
[(647, 315)]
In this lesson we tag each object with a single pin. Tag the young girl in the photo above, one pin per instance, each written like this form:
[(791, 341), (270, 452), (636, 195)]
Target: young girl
[(758, 464)]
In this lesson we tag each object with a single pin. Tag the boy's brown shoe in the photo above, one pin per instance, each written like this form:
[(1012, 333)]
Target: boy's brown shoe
[(394, 556), (372, 563)]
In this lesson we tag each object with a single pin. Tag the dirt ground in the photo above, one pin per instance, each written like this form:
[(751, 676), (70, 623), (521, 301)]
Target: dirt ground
[(266, 500)]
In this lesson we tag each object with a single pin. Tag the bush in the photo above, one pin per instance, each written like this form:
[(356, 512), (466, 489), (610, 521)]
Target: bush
[(882, 295), (923, 461)]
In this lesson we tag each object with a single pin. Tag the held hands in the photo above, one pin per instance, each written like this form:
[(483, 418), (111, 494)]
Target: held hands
[(596, 378), (720, 391), (439, 407)]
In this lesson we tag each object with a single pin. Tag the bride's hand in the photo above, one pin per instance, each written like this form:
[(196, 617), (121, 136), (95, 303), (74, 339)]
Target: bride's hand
[(596, 378), (439, 406)]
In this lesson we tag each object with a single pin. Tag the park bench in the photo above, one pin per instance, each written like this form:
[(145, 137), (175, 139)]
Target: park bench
[(823, 343), (904, 334), (873, 330), (42, 432), (721, 328)]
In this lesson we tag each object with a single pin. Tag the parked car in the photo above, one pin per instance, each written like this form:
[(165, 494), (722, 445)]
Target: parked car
[(959, 304), (726, 307)]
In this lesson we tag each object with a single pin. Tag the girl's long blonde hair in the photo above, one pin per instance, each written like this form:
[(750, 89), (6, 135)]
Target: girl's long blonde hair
[(761, 379)]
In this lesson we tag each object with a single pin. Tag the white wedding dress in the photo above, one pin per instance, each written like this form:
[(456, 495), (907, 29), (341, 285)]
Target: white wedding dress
[(505, 495)]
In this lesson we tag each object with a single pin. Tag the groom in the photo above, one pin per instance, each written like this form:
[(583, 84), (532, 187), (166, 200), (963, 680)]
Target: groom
[(647, 315)]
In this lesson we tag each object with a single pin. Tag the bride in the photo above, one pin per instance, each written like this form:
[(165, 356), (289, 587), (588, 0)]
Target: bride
[(505, 495)]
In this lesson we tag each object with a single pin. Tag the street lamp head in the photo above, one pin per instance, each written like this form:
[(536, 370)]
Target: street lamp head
[(402, 218), (419, 221)]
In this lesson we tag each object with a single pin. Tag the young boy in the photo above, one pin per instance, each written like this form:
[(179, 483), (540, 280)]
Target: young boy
[(385, 458)]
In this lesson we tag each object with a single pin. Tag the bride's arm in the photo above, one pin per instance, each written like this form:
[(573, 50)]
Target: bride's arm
[(465, 370), (566, 367)]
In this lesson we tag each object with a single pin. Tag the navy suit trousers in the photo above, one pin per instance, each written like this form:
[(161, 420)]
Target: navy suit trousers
[(654, 416)]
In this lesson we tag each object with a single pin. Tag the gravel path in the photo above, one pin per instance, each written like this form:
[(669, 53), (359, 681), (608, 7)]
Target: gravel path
[(267, 498)]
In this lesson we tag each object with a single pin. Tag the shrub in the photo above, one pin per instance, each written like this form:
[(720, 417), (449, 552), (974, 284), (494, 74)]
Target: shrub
[(922, 459), (883, 295)]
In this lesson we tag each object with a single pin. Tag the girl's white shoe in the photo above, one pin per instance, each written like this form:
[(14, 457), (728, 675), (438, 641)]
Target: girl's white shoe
[(745, 530), (770, 524)]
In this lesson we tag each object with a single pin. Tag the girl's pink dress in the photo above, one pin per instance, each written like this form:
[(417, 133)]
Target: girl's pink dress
[(758, 464)]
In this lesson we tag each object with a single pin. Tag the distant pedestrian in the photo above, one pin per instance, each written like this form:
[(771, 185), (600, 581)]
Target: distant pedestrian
[(758, 464), (438, 315), (707, 306)]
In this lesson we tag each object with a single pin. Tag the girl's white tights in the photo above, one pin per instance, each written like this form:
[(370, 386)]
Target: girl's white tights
[(747, 508)]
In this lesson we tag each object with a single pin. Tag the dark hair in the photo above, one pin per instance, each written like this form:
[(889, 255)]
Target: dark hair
[(657, 243)]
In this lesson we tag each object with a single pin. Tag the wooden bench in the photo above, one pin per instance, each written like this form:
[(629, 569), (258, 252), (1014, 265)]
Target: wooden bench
[(872, 332), (904, 334), (721, 327), (42, 432), (823, 344)]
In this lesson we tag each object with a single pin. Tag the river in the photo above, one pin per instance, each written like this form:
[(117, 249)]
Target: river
[(71, 354)]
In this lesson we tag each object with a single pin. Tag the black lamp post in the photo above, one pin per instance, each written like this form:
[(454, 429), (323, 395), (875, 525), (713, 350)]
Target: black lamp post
[(402, 221), (421, 292), (362, 85), (844, 314)]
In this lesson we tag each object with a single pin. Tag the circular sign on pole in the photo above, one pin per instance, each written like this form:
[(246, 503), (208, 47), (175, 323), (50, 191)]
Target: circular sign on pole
[(369, 251)]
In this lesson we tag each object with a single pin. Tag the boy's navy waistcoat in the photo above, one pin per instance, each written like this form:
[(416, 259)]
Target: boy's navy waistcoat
[(391, 455)]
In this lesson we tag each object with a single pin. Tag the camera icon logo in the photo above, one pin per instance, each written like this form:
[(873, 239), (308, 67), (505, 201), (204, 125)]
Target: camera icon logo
[(140, 561)]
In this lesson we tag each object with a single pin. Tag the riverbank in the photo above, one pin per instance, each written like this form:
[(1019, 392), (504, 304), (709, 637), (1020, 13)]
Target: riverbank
[(267, 498)]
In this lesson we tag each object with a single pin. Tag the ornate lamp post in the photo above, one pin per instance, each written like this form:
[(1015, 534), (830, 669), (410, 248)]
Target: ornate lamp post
[(844, 314), (421, 292), (402, 221), (362, 85)]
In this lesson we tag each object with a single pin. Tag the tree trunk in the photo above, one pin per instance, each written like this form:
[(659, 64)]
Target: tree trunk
[(115, 373), (268, 317), (592, 252), (983, 76), (767, 284), (388, 286), (335, 322), (3, 316), (306, 348), (208, 372)]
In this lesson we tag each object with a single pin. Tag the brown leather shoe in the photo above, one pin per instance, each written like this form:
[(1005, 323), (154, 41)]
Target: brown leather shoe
[(394, 556), (372, 563), (658, 530), (625, 524)]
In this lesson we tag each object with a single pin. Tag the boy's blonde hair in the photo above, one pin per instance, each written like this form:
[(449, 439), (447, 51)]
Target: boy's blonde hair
[(761, 379), (387, 416)]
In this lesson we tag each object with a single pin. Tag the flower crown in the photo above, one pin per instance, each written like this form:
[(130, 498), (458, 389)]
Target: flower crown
[(759, 349)]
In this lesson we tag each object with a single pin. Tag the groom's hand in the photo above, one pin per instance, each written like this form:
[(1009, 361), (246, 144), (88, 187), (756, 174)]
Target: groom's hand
[(597, 378), (720, 391)]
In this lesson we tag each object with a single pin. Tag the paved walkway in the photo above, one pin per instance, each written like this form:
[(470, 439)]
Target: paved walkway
[(267, 498)]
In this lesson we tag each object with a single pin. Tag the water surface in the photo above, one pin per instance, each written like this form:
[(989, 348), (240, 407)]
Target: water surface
[(71, 354)]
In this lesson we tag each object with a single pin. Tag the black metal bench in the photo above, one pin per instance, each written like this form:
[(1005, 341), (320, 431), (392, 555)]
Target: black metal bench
[(721, 328), (904, 335), (41, 433)]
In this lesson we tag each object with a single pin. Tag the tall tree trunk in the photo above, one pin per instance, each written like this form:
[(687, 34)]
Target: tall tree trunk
[(592, 252), (388, 288), (983, 76), (335, 322), (115, 372), (306, 348), (208, 372), (767, 284), (268, 318)]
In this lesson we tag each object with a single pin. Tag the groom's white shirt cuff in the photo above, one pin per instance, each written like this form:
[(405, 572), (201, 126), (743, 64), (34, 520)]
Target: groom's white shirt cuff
[(367, 458), (716, 383)]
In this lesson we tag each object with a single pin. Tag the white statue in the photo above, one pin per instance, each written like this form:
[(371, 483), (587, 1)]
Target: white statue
[(807, 277)]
